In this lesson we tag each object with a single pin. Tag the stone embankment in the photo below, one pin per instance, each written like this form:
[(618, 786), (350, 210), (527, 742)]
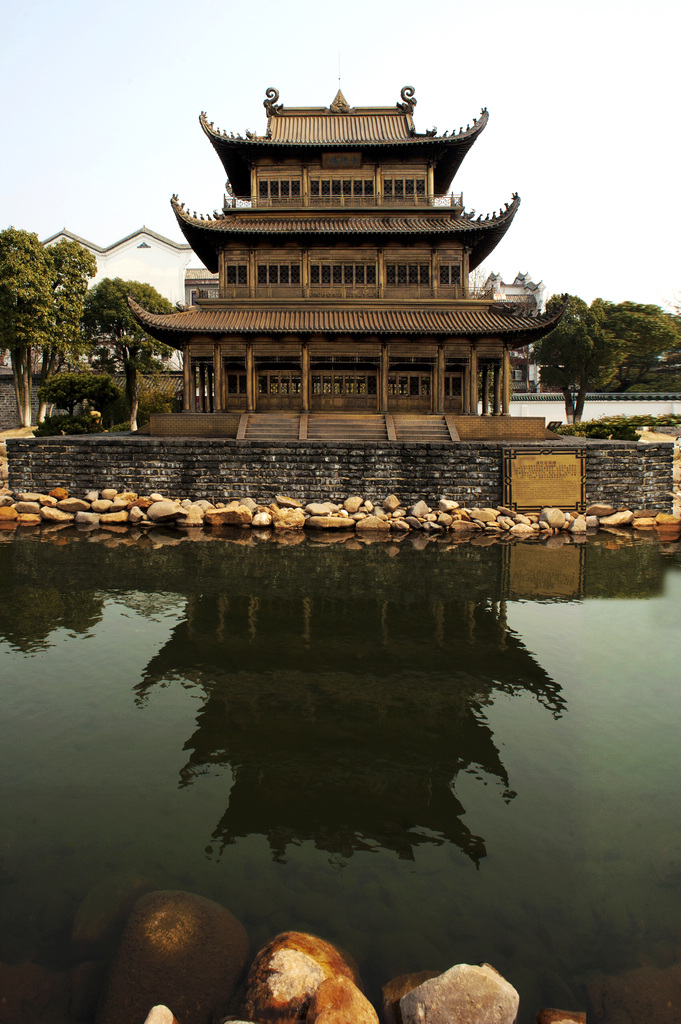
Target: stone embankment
[(109, 507)]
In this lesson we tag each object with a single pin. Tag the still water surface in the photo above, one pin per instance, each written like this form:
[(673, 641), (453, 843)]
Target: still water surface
[(427, 753)]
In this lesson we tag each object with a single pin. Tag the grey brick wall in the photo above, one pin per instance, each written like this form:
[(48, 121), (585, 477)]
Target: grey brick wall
[(8, 403), (623, 473)]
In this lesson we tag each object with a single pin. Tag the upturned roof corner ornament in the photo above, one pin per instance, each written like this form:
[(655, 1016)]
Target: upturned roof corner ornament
[(409, 103), (270, 104)]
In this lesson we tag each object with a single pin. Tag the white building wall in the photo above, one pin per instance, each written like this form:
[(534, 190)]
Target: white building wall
[(142, 256), (552, 407)]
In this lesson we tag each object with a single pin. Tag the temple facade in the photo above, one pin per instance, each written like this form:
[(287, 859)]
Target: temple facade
[(343, 258)]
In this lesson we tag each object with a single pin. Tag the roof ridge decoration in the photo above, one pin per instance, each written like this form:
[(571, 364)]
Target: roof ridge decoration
[(340, 105), (409, 102), (270, 102)]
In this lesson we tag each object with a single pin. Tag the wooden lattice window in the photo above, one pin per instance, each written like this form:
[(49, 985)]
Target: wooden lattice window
[(279, 273), (279, 188), (401, 274), (350, 274), (404, 188), (358, 187), (237, 273), (450, 273)]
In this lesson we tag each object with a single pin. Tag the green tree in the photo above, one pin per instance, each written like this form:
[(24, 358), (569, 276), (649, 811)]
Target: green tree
[(72, 268), (41, 305), (124, 346), (26, 308), (576, 355), (67, 390), (642, 335)]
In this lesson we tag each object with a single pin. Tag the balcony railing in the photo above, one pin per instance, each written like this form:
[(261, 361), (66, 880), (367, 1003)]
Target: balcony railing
[(453, 200)]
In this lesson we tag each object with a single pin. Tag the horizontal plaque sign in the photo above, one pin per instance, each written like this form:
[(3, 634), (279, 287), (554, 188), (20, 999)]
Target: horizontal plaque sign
[(537, 477), (340, 161)]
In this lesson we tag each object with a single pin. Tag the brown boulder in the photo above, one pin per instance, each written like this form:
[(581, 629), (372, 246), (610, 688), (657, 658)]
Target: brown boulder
[(285, 502), (330, 523), (177, 949), (59, 493), (339, 1001), (73, 505), (286, 974), (55, 515), (287, 518), (372, 523), (8, 512), (600, 509)]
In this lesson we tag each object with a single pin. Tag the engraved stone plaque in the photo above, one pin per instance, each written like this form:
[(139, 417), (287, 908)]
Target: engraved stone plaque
[(537, 477)]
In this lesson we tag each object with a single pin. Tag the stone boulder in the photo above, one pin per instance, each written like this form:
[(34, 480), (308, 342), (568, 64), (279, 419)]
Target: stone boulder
[(320, 508), (287, 973), (371, 523), (465, 994), (600, 509), (553, 517), (398, 987), (288, 518), (178, 950), (319, 522), (73, 505), (8, 513), (285, 502), (353, 504), (162, 511), (262, 519), (161, 1015), (55, 515), (391, 503), (623, 518), (234, 515), (419, 511), (339, 1001)]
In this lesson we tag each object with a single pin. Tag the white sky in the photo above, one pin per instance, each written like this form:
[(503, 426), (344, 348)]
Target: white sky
[(101, 101)]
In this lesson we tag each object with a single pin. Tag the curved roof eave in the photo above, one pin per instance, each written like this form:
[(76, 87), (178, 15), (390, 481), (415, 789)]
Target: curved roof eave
[(481, 320), (447, 151), (205, 234)]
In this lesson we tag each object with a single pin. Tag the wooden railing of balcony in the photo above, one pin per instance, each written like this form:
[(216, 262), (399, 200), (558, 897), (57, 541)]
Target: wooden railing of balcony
[(453, 200)]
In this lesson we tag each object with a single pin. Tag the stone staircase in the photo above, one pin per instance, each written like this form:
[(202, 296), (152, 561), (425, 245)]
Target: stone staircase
[(322, 426), (361, 427)]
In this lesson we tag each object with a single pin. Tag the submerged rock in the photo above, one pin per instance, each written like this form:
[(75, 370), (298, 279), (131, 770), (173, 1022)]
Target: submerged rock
[(177, 949), (465, 994)]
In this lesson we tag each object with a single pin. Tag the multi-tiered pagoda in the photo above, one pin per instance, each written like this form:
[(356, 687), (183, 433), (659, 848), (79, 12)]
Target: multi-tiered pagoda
[(343, 261)]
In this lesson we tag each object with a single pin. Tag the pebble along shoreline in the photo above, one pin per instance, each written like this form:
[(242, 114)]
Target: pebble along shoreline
[(110, 507)]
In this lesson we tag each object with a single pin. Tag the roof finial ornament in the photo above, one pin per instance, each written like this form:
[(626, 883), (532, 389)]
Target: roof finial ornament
[(407, 95), (270, 104), (340, 105)]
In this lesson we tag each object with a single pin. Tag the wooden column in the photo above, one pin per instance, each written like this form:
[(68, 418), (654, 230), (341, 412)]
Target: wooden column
[(187, 375), (202, 387), (383, 378), (194, 406), (219, 391), (305, 273), (305, 366), (466, 391), (474, 381), (305, 186), (250, 378), (251, 273), (431, 184), (497, 389), (506, 384), (381, 274), (485, 389), (439, 405)]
